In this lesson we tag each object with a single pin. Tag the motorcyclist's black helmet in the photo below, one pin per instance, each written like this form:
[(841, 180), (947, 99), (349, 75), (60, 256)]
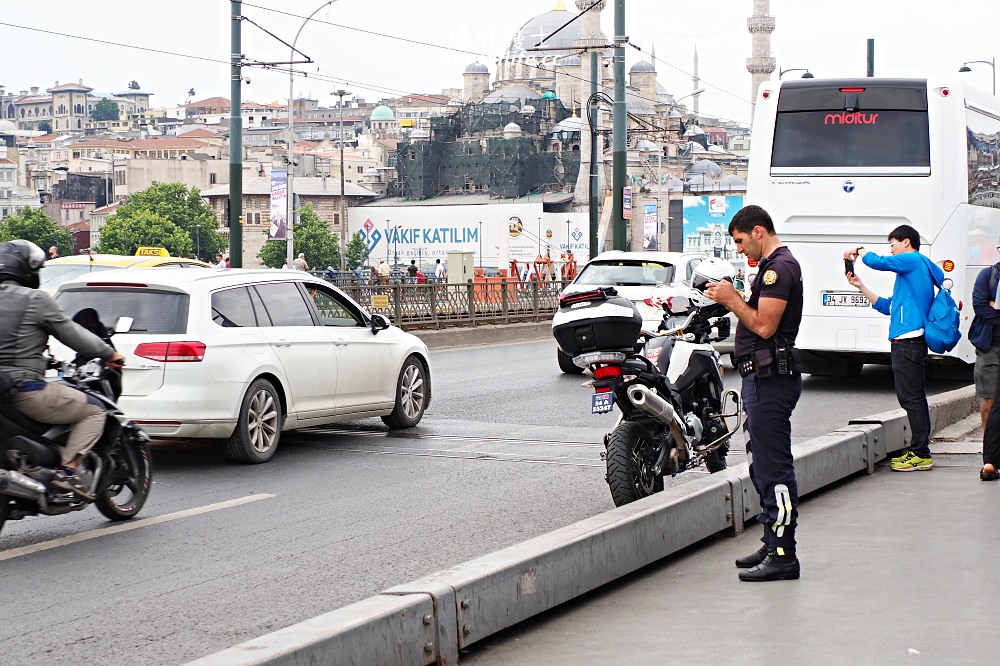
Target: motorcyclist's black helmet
[(20, 260)]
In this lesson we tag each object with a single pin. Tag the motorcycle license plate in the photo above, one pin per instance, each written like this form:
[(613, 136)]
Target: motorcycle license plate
[(602, 403)]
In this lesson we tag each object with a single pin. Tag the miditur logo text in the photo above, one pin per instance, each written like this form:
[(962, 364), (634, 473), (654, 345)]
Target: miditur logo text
[(856, 118)]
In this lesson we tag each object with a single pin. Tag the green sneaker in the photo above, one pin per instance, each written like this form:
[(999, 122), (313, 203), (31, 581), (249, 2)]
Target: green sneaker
[(912, 463), (899, 459)]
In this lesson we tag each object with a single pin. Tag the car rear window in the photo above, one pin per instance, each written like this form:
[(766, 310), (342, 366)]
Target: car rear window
[(152, 311), (625, 272), (53, 276)]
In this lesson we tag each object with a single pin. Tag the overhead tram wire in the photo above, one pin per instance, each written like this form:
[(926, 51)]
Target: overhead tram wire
[(110, 43)]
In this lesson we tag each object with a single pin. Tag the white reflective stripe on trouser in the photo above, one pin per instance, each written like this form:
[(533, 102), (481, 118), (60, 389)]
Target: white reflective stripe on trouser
[(783, 498)]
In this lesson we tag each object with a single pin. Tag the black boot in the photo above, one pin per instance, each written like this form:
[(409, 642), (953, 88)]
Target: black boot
[(753, 559), (774, 567)]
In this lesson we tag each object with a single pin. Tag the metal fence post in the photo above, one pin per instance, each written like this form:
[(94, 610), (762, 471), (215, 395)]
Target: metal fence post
[(503, 299), (398, 305), (433, 301), (534, 298), (472, 302)]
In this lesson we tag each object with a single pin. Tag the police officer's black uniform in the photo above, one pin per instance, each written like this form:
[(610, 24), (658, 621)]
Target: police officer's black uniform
[(771, 388)]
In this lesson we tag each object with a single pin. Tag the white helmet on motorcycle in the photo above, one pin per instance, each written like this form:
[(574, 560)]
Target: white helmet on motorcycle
[(711, 270)]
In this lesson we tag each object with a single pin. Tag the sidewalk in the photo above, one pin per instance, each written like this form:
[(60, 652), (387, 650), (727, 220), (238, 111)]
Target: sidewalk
[(895, 568)]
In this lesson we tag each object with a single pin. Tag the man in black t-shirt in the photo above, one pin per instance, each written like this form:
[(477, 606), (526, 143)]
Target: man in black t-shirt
[(411, 270), (765, 336)]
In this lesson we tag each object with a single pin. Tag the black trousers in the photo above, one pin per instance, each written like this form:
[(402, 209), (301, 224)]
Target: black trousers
[(991, 434), (908, 356), (768, 404)]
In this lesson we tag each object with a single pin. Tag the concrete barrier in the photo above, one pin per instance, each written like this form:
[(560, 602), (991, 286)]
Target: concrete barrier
[(429, 620), (454, 337)]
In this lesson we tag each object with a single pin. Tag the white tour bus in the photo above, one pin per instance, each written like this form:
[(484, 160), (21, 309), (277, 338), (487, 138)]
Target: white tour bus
[(842, 162)]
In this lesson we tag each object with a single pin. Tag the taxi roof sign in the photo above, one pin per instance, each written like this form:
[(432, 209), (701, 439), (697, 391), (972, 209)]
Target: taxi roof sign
[(152, 252)]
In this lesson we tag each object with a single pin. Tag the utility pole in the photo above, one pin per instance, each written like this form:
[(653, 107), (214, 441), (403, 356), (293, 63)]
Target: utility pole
[(619, 148), (343, 201), (236, 139)]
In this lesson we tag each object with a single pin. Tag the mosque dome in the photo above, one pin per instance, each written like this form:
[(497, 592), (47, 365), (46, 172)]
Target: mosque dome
[(511, 127), (636, 104), (382, 113), (641, 67), (540, 27), (732, 182), (419, 133), (704, 166), (477, 68), (549, 95), (571, 124), (513, 94), (646, 146)]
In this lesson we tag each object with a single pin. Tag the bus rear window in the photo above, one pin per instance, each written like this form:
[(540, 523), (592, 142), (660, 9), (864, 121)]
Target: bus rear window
[(851, 143), (156, 312), (875, 128)]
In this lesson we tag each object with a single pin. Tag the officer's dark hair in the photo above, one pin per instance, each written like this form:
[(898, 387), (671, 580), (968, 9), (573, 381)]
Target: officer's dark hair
[(906, 232), (749, 217)]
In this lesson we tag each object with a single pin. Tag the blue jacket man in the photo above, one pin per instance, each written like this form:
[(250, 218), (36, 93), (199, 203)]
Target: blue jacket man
[(912, 293)]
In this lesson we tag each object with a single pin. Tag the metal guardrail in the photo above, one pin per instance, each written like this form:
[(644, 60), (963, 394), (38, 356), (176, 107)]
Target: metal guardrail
[(439, 304)]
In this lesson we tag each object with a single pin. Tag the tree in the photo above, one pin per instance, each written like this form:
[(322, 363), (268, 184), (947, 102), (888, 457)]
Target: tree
[(183, 207), (311, 236), (357, 252), (37, 227), (133, 85), (143, 229), (106, 109), (45, 126)]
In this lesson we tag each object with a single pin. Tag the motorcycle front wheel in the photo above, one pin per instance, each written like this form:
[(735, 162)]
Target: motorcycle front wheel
[(630, 459), (127, 487)]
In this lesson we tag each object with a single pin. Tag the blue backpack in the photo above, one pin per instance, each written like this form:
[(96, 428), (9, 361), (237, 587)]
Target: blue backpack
[(941, 328)]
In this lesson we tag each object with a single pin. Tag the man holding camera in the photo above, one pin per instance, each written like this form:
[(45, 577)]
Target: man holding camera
[(765, 337), (912, 293)]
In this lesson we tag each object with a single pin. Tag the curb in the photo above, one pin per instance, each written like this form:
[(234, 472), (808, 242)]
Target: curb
[(429, 620), (483, 335)]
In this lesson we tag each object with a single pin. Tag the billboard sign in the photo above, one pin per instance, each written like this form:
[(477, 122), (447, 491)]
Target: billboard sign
[(279, 205)]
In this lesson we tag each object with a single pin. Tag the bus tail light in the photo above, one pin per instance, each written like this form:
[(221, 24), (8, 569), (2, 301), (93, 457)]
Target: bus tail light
[(766, 94), (172, 352), (945, 92)]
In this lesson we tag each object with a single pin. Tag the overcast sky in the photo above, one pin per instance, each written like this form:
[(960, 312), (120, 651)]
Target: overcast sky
[(912, 38)]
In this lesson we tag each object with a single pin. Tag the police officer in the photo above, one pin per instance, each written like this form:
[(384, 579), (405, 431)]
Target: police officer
[(28, 316), (765, 335)]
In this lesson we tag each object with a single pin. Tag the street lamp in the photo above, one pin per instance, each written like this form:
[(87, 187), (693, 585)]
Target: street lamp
[(992, 62), (290, 250), (387, 241), (807, 75), (197, 231), (343, 212)]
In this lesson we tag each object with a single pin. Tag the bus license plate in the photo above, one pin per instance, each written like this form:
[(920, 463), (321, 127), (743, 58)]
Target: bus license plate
[(603, 403), (850, 300)]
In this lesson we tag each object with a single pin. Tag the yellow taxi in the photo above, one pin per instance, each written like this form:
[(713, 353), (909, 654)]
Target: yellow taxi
[(63, 269)]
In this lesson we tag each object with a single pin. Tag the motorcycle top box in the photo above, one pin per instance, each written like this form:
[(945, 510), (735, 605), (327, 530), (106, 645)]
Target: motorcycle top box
[(595, 320)]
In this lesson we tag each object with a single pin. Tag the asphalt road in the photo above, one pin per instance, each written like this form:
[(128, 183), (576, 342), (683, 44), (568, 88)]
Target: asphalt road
[(223, 552)]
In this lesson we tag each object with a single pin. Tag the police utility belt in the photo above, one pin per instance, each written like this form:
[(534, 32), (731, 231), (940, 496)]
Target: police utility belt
[(773, 359)]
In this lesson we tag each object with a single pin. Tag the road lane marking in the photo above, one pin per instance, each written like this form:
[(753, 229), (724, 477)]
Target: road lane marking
[(125, 527)]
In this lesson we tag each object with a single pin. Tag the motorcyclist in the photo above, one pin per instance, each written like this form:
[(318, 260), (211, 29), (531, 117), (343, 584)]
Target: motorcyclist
[(28, 316)]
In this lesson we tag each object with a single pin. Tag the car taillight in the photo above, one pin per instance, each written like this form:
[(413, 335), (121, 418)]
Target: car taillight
[(606, 372), (172, 352)]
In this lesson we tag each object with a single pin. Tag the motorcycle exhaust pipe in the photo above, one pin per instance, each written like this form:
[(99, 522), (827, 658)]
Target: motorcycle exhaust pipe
[(18, 485), (646, 400)]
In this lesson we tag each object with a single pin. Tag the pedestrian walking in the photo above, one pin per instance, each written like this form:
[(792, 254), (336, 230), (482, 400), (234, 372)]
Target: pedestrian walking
[(438, 270), (912, 293), (984, 334), (299, 263), (764, 342), (411, 270)]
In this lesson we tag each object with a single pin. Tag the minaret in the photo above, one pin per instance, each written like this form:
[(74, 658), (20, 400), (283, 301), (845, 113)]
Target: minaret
[(760, 64), (695, 80), (590, 35)]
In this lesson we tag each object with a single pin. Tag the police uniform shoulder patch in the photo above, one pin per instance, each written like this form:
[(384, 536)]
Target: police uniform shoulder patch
[(770, 277)]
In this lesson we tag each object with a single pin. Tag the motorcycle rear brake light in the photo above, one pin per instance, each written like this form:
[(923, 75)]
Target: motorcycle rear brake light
[(605, 372), (602, 389), (592, 358), (172, 352)]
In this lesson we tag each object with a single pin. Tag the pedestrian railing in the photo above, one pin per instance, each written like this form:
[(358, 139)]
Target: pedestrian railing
[(435, 303)]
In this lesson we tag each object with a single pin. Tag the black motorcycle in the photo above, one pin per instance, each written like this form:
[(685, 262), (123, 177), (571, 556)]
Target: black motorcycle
[(668, 387), (118, 471)]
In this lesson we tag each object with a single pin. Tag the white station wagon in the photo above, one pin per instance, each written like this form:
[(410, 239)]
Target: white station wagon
[(242, 355)]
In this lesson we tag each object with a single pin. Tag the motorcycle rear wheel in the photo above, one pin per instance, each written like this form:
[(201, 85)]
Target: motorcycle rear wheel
[(4, 510), (626, 477), (124, 494)]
